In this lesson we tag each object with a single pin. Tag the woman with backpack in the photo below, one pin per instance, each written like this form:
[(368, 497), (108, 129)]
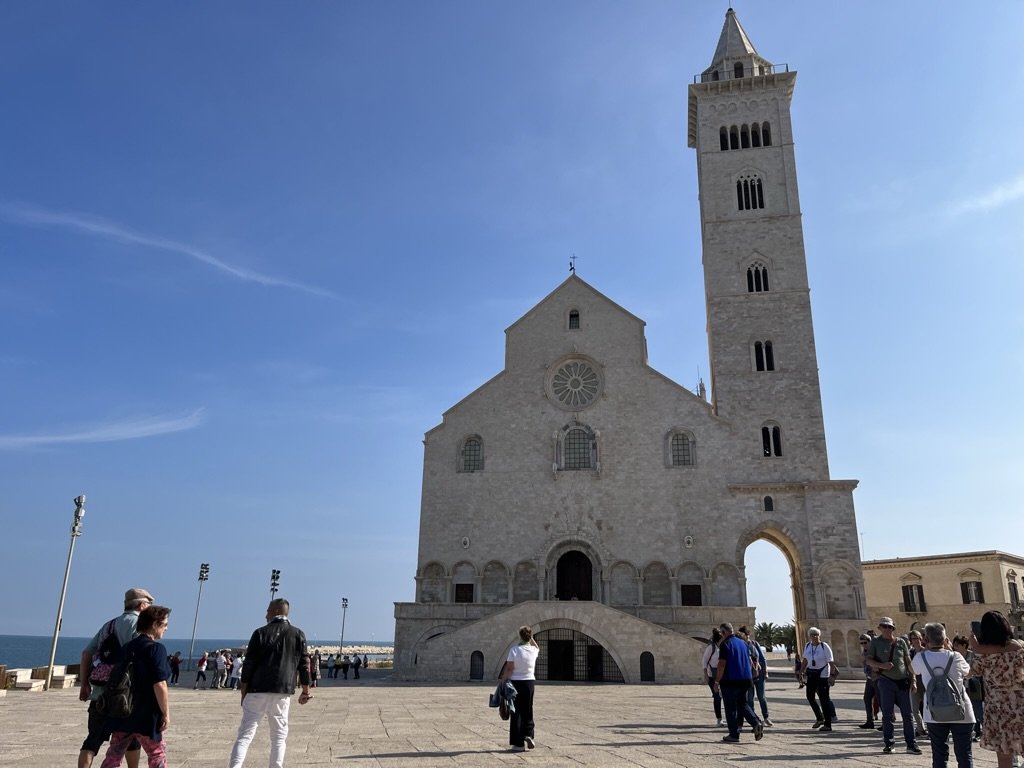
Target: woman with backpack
[(946, 708), (146, 714)]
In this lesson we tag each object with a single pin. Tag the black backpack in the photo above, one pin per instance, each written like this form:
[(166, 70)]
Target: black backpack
[(118, 699), (106, 656)]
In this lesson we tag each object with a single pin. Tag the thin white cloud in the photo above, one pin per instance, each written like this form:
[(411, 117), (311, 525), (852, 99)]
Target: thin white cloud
[(996, 197), (127, 429), (97, 227)]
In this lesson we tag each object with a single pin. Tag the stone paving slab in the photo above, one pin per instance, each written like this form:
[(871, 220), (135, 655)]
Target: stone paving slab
[(374, 724)]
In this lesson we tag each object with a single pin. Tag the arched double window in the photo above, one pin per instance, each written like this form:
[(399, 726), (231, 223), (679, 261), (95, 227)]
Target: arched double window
[(471, 455), (576, 448), (757, 277), (749, 192), (771, 440), (764, 356)]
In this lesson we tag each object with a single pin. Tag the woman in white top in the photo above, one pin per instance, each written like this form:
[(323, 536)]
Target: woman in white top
[(710, 663), (925, 662), (519, 669), (817, 669)]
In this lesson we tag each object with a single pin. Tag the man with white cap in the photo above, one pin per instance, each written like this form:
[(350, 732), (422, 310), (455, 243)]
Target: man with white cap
[(94, 668), (890, 656)]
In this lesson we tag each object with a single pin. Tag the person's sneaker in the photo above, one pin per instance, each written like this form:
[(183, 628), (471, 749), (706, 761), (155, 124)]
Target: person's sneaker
[(768, 723), (731, 739), (825, 729), (530, 744), (887, 749), (720, 722), (817, 724), (867, 726), (913, 749), (758, 732)]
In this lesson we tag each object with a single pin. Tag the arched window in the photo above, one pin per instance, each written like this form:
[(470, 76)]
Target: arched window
[(714, 75), (576, 448), (771, 440), (755, 135), (574, 320), (734, 138), (764, 356), (476, 665), (745, 137), (749, 192), (766, 134), (768, 504), (681, 449), (723, 138), (737, 69), (471, 457), (757, 278)]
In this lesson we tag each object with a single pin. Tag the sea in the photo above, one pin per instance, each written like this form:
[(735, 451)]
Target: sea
[(34, 650)]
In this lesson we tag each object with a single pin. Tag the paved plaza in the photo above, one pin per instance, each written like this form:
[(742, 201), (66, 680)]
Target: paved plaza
[(372, 722)]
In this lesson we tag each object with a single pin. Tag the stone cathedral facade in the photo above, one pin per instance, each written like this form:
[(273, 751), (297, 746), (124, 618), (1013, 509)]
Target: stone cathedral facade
[(582, 492)]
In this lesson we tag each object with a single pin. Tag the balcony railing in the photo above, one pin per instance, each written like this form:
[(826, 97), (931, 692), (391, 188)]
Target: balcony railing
[(719, 75)]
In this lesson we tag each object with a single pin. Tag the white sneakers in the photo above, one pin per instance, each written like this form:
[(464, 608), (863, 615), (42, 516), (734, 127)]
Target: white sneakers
[(529, 742)]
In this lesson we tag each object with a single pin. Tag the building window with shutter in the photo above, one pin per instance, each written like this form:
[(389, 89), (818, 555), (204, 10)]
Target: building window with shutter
[(971, 592), (913, 599)]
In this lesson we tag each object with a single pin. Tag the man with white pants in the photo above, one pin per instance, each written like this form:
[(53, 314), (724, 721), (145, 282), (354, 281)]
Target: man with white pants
[(275, 655)]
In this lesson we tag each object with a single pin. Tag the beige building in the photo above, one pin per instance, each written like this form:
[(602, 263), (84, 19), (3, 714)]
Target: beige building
[(953, 589), (584, 493)]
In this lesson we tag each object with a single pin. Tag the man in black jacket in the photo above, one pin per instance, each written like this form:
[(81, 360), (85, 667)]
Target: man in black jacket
[(275, 656)]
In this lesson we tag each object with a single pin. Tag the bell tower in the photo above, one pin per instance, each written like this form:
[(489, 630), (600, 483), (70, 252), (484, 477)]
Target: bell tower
[(764, 371)]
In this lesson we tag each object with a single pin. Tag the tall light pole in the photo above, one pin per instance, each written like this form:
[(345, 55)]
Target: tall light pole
[(204, 574), (275, 582), (344, 610), (76, 531)]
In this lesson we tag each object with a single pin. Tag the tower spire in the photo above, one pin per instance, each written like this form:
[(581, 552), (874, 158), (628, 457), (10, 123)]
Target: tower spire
[(735, 56)]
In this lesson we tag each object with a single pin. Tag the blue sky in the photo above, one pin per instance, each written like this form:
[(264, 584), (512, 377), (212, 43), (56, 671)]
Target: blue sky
[(251, 252)]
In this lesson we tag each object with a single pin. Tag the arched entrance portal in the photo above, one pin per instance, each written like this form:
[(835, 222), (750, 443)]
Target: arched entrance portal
[(574, 575), (773, 586), (568, 655)]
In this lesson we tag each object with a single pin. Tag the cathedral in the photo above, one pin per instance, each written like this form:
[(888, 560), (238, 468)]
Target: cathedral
[(585, 494)]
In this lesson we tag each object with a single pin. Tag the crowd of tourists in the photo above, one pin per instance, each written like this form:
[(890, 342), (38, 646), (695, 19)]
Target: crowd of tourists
[(964, 689)]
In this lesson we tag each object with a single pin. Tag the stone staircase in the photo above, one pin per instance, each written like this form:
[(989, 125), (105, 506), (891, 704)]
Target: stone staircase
[(34, 678)]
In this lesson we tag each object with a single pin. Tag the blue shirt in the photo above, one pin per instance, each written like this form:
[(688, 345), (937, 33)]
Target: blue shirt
[(737, 660)]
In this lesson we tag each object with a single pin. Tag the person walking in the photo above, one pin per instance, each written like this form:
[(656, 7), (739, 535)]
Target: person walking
[(330, 667), (519, 670), (356, 664), (733, 677), (870, 689), (236, 671), (151, 714), (94, 672), (175, 662), (932, 657), (817, 667), (275, 655), (890, 655), (345, 663), (201, 665), (760, 668), (975, 686), (709, 663)]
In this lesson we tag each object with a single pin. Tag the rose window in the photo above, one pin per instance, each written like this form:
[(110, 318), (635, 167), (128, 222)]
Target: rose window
[(575, 384)]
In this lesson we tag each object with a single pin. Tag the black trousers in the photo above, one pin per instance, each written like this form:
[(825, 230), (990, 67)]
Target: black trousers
[(817, 683), (520, 723)]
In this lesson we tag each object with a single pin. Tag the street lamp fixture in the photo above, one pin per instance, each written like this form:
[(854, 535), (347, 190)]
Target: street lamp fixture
[(275, 582), (204, 575), (76, 531)]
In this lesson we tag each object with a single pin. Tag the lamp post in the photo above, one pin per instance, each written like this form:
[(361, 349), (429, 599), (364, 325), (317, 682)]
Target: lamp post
[(275, 582), (204, 574), (76, 531), (344, 610)]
